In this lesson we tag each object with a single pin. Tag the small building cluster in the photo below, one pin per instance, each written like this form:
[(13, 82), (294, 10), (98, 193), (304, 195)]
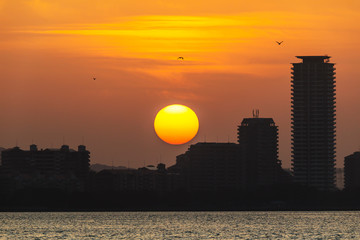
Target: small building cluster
[(62, 168), (145, 179)]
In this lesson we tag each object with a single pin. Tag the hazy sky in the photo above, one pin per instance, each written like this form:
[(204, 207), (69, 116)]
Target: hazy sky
[(51, 49)]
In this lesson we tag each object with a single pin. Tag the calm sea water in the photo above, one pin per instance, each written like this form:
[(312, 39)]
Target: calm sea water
[(181, 225)]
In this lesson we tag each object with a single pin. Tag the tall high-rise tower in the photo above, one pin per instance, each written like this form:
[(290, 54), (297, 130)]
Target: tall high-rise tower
[(313, 122)]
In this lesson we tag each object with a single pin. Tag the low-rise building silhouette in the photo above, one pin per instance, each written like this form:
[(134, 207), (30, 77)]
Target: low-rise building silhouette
[(57, 168), (115, 180), (209, 167), (352, 171), (145, 179)]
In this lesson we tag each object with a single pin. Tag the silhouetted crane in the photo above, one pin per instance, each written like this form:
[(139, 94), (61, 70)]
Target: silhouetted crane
[(279, 42)]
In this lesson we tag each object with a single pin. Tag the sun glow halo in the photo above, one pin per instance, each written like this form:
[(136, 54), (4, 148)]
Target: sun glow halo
[(176, 124)]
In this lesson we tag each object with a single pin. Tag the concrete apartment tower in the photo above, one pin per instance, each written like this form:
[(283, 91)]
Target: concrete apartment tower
[(258, 141), (313, 122)]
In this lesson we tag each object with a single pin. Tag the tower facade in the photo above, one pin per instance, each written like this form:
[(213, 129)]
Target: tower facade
[(313, 122), (258, 141)]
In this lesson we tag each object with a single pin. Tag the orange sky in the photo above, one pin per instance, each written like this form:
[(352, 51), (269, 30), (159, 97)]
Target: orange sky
[(51, 49)]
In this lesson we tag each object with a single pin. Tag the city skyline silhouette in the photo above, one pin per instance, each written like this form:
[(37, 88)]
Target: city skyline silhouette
[(147, 162), (232, 65)]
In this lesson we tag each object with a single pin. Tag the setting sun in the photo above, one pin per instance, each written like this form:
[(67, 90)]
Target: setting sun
[(176, 124)]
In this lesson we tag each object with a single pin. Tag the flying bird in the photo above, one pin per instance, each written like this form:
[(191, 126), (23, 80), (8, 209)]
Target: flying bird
[(180, 58), (279, 42), (94, 78)]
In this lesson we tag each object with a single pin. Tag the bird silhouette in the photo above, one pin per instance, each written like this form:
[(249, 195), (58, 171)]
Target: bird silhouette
[(279, 42), (180, 58), (94, 78)]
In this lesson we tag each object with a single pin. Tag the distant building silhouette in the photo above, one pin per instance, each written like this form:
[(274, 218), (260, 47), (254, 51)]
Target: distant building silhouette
[(352, 171), (97, 167), (113, 180), (258, 140), (51, 167), (145, 179), (313, 122), (208, 166)]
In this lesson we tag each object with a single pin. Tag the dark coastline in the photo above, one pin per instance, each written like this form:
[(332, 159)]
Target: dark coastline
[(35, 200)]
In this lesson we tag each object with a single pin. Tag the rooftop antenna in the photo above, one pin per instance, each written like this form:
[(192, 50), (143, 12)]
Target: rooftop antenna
[(83, 140), (63, 140), (16, 142)]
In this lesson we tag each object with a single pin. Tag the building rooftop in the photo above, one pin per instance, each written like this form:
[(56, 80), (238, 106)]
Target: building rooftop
[(64, 147), (313, 57), (256, 120), (12, 149), (321, 59), (213, 144), (58, 149), (355, 154)]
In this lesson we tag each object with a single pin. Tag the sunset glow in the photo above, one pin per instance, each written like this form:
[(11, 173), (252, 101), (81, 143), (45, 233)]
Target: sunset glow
[(51, 50)]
